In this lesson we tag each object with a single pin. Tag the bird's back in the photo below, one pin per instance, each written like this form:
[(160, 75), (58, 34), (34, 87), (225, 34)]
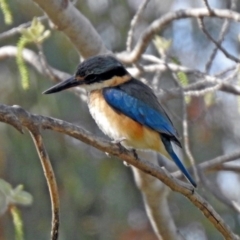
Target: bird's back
[(138, 97)]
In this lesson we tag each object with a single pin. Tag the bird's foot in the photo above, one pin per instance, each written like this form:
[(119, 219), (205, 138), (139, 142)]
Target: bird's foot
[(134, 152), (118, 141)]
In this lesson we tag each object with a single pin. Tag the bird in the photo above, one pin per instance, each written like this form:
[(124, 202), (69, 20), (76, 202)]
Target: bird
[(125, 108)]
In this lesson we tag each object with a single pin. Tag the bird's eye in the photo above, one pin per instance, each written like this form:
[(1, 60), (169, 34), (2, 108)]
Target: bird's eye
[(90, 78)]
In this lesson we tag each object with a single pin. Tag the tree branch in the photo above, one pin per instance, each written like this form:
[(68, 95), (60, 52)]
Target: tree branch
[(16, 115), (80, 31), (50, 177), (166, 19)]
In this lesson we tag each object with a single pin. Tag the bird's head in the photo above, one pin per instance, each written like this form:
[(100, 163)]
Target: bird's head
[(95, 73)]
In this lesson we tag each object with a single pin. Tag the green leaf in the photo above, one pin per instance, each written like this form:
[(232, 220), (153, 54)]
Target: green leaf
[(209, 99), (162, 44), (33, 34), (18, 196), (9, 195), (183, 79), (182, 76), (21, 64)]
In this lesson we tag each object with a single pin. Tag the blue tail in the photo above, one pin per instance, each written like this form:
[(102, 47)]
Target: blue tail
[(175, 158)]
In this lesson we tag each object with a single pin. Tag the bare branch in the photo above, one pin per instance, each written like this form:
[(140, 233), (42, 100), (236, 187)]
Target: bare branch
[(207, 5), (186, 139), (134, 23), (218, 45), (27, 120), (226, 167), (50, 177), (33, 59), (213, 164), (222, 33), (166, 19), (40, 65)]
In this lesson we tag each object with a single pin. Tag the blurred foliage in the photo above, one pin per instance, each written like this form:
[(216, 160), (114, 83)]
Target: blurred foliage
[(18, 224), (8, 19), (182, 78), (9, 196), (36, 33), (98, 197), (162, 45)]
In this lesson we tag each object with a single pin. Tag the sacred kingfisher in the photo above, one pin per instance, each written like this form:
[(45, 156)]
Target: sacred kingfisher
[(124, 108)]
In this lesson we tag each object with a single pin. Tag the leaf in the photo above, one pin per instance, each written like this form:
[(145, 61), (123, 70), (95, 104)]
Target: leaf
[(21, 64), (162, 44), (209, 99), (8, 19), (18, 196), (9, 196), (182, 76), (35, 33), (187, 99)]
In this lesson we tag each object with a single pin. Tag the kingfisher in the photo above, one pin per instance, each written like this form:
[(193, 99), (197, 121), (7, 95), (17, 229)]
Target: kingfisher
[(124, 108)]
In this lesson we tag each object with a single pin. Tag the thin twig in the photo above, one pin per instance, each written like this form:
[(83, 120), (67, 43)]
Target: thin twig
[(222, 33), (186, 140), (134, 23), (33, 59), (206, 3), (225, 71), (212, 164), (18, 29), (224, 29), (185, 132), (226, 167), (218, 45), (46, 67), (163, 21), (216, 192), (203, 92), (50, 177)]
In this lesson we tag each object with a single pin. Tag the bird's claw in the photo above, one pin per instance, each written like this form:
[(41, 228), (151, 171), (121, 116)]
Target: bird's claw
[(134, 152), (118, 141)]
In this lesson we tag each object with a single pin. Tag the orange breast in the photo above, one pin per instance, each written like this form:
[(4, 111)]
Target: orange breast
[(118, 126)]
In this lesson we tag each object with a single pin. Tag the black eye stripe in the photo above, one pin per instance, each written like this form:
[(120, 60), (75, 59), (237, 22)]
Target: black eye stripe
[(118, 71)]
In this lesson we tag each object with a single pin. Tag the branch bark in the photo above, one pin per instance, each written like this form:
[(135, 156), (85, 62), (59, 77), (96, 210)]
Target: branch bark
[(50, 177), (77, 27), (19, 118)]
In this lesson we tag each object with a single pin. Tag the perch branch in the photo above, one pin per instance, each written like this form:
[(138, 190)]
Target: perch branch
[(16, 116)]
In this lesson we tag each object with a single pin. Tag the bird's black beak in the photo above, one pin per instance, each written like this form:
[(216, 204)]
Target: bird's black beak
[(69, 83)]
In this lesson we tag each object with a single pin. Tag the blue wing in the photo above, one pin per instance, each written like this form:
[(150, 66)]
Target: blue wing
[(138, 111), (148, 114)]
